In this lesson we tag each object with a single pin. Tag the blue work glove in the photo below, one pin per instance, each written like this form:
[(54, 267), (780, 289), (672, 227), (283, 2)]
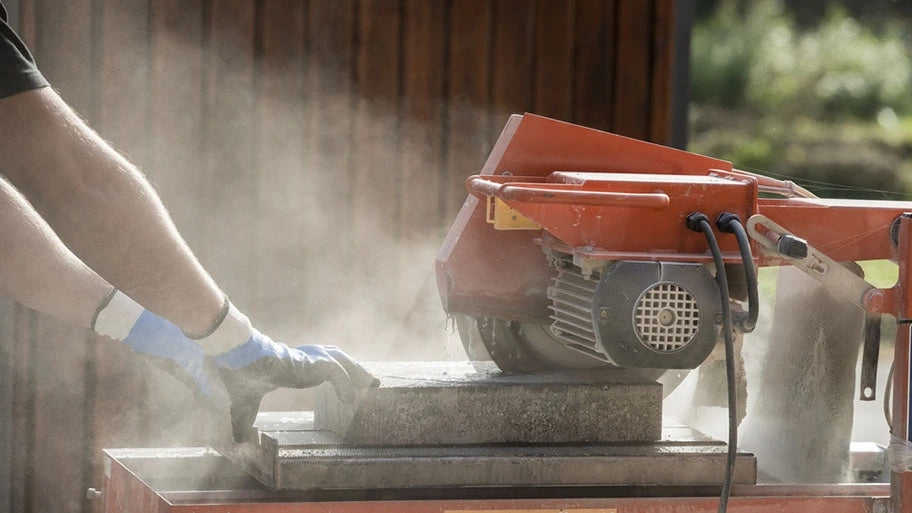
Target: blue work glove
[(234, 366), (164, 345), (260, 365)]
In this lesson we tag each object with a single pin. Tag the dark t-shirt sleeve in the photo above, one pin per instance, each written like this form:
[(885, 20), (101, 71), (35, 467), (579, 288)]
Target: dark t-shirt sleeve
[(18, 72)]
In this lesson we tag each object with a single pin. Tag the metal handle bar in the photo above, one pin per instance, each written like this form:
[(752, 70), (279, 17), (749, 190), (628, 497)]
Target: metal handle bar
[(525, 192)]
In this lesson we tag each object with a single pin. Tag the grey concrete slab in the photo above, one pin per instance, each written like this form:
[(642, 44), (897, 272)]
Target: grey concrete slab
[(293, 455), (526, 466), (421, 403)]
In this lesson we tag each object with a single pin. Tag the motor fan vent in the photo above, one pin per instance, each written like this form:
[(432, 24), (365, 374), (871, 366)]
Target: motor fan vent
[(666, 317)]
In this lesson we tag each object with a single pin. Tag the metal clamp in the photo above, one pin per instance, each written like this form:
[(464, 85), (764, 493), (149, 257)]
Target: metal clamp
[(838, 280)]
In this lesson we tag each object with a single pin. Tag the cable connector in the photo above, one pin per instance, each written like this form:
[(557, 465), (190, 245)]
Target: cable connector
[(723, 222), (693, 221)]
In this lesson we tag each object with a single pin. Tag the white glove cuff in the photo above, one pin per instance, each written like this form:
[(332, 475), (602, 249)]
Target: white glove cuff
[(234, 330), (118, 316)]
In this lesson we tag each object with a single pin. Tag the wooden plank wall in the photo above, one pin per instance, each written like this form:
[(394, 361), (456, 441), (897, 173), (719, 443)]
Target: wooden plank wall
[(312, 153)]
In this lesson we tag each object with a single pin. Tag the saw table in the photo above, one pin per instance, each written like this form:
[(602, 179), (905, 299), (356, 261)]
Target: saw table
[(492, 459), (443, 429)]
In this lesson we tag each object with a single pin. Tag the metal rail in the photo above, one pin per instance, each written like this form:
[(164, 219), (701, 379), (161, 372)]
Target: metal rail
[(563, 194)]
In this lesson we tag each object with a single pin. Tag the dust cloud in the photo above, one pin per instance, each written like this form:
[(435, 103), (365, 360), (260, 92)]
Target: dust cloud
[(315, 207), (801, 366)]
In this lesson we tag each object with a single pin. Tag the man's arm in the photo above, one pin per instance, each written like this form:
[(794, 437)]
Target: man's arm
[(37, 270), (106, 212), (103, 209)]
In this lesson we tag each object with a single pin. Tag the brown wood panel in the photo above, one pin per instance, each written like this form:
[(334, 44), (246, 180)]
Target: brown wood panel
[(26, 27), (174, 115), (376, 177), (23, 412), (230, 163), (60, 403), (662, 69), (123, 76), (422, 118), (633, 85), (593, 64), (512, 77), (286, 198), (374, 261), (66, 25), (62, 389), (467, 98), (176, 126), (330, 90), (420, 216), (554, 36), (7, 400), (122, 89)]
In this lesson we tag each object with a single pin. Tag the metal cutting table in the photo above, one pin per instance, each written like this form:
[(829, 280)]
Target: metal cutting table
[(481, 438), (294, 463)]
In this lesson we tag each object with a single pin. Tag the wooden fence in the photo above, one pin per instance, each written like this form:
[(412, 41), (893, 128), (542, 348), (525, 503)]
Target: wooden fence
[(312, 153)]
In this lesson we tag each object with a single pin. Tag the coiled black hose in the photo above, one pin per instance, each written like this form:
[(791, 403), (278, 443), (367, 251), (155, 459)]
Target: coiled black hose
[(700, 223)]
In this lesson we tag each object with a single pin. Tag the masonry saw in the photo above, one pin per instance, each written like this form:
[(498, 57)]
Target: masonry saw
[(582, 249), (578, 248)]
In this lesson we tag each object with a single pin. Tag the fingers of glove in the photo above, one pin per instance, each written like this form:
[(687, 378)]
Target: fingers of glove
[(243, 414), (326, 368), (246, 393), (296, 369), (360, 377), (344, 389)]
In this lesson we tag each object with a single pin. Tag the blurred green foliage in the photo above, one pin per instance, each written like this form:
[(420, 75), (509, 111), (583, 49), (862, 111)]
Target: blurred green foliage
[(759, 61), (827, 103)]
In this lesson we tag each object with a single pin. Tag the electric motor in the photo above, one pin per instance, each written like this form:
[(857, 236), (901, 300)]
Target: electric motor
[(664, 315)]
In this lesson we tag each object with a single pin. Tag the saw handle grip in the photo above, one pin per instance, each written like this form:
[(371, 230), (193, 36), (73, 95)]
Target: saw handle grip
[(527, 192)]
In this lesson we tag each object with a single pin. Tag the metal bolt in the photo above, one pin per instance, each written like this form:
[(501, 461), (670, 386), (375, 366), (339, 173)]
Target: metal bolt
[(93, 494), (603, 314)]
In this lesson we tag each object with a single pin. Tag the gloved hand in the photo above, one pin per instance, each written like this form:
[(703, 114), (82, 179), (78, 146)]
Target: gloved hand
[(261, 365), (165, 345), (233, 366)]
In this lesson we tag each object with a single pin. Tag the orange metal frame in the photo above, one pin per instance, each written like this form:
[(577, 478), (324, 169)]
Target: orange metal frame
[(598, 195), (602, 196)]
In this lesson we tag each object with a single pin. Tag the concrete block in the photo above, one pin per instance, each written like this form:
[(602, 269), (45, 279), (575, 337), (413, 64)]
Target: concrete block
[(426, 403)]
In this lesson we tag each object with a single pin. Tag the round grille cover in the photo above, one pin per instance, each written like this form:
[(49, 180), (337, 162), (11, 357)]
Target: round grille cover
[(666, 317), (656, 315)]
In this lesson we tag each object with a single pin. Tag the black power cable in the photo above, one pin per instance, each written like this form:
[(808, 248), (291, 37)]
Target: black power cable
[(731, 223), (698, 222)]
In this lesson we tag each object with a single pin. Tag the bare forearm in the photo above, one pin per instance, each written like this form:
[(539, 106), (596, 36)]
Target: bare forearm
[(103, 209), (37, 270)]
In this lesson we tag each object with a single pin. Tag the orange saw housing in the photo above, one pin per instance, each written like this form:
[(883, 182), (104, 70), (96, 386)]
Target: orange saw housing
[(598, 196)]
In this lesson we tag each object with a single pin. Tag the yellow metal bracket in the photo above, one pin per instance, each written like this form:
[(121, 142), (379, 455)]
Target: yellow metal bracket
[(505, 217)]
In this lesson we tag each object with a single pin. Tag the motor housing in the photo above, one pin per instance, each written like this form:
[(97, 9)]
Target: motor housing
[(663, 315)]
